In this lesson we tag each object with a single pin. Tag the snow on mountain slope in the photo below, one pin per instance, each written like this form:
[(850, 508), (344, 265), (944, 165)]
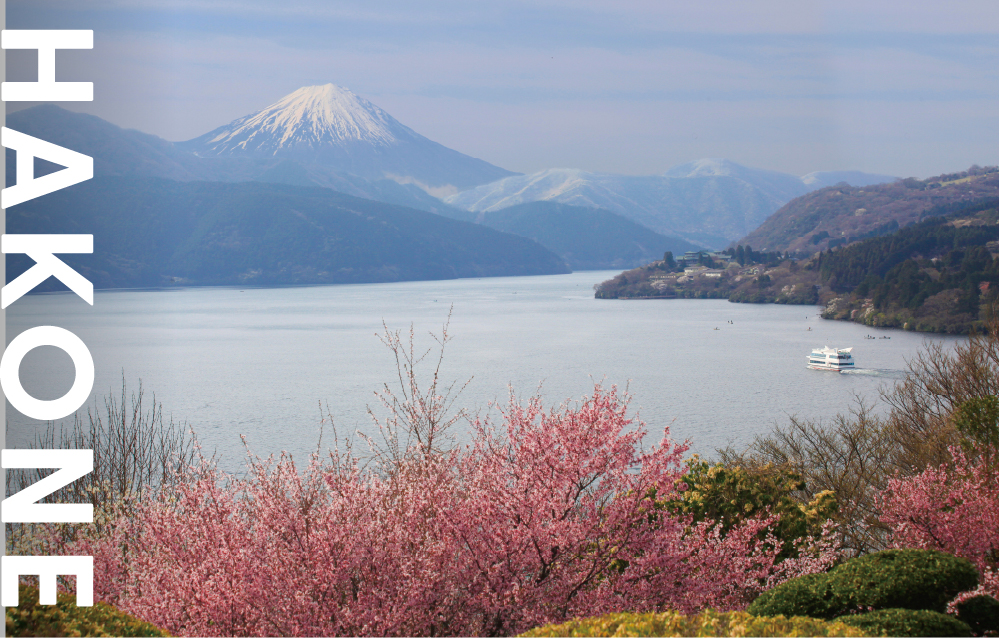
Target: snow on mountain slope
[(332, 127), (707, 201), (308, 118), (781, 185), (564, 185), (708, 210)]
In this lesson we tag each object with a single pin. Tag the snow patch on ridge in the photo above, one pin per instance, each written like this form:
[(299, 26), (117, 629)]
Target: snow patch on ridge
[(565, 185), (708, 167), (434, 191)]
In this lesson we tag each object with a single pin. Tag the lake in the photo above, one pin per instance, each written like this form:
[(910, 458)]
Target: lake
[(259, 362)]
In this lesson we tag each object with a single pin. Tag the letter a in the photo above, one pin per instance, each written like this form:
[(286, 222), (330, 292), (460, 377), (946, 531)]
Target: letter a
[(79, 167)]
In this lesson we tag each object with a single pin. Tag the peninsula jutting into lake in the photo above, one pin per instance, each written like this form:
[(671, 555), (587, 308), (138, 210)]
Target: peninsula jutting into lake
[(923, 257)]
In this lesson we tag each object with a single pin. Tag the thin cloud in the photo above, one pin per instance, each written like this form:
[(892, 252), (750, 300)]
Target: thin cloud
[(631, 87)]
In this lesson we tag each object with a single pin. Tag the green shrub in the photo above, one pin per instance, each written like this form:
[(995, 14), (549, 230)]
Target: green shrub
[(895, 578), (731, 494), (707, 623), (976, 420), (899, 579), (66, 619), (802, 596), (981, 613), (906, 622)]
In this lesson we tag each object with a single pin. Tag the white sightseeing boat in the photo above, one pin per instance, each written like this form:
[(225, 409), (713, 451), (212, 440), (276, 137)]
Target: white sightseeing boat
[(828, 358)]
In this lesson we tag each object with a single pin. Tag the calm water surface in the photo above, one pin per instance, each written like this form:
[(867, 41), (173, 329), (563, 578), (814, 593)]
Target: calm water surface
[(260, 361)]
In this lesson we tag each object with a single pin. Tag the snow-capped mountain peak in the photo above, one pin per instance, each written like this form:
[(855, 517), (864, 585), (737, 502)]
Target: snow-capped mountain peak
[(329, 128), (309, 117)]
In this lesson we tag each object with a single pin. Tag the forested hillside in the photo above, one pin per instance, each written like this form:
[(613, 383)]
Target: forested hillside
[(936, 275), (842, 214), (587, 238), (154, 232), (939, 275)]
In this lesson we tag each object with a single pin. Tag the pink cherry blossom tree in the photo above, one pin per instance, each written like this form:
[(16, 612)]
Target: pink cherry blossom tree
[(544, 516), (952, 508)]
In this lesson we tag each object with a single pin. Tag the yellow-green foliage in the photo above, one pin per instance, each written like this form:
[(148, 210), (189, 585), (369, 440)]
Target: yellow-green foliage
[(707, 623), (66, 619), (731, 493)]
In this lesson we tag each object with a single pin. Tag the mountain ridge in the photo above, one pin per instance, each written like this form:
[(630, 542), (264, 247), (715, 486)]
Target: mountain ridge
[(587, 238), (154, 233), (710, 202), (838, 215)]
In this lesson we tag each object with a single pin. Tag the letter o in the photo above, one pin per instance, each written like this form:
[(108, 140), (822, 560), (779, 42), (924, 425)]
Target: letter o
[(83, 381)]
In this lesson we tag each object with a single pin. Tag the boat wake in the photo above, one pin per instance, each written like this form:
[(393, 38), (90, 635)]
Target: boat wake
[(877, 372)]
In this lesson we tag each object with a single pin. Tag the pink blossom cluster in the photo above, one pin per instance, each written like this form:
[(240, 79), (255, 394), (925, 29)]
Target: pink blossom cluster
[(544, 517), (952, 509)]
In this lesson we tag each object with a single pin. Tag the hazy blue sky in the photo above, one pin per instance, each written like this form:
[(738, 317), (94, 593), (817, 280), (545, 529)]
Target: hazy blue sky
[(904, 88)]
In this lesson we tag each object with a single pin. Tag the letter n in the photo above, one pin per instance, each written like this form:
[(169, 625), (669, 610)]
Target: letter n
[(24, 507)]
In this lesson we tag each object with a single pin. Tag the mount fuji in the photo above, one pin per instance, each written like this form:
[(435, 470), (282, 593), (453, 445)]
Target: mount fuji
[(331, 128)]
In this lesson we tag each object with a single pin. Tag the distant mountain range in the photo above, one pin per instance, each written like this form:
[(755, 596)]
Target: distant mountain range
[(839, 215), (710, 202), (151, 232), (325, 136)]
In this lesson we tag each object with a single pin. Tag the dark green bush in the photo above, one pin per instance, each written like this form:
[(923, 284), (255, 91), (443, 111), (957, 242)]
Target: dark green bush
[(899, 579), (906, 622), (895, 578), (66, 619), (802, 596), (981, 613)]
